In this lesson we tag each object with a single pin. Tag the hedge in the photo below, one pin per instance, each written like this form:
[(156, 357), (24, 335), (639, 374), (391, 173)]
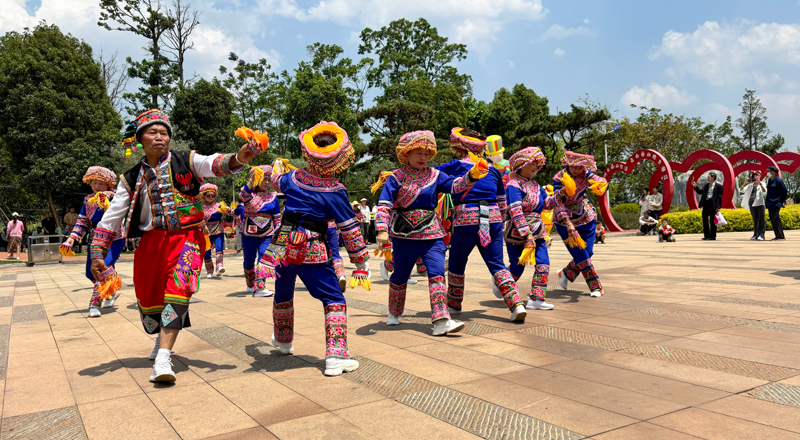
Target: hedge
[(626, 207), (691, 222)]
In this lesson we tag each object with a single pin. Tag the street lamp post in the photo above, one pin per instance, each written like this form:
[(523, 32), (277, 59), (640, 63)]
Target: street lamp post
[(604, 132)]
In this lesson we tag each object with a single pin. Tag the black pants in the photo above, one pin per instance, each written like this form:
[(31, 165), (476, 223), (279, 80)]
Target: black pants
[(645, 229), (759, 222), (709, 227), (655, 214), (665, 237), (775, 218)]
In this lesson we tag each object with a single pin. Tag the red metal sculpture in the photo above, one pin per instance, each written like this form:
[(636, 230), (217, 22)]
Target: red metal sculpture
[(787, 156), (718, 162), (762, 161)]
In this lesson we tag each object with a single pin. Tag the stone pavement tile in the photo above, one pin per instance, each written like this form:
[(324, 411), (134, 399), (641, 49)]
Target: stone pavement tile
[(743, 309), (673, 322), (132, 417), (140, 369), (711, 310), (568, 414), (643, 431), (667, 389), (736, 352), (398, 421), (524, 355), (614, 399), (614, 332), (213, 364), (21, 364), (326, 426), (21, 341), (793, 319), (614, 321), (792, 381), (561, 348), (266, 400), (714, 426), (93, 386), (725, 338), (467, 358), (259, 433), (330, 393), (61, 423), (199, 411), (585, 308), (76, 337), (32, 393), (365, 346), (759, 411), (5, 315), (426, 366), (31, 327), (394, 336)]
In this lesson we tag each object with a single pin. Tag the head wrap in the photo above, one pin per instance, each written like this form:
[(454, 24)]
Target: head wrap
[(102, 174), (461, 143), (208, 187), (334, 158), (146, 119), (416, 139), (572, 159), (526, 156), (266, 168), (494, 145)]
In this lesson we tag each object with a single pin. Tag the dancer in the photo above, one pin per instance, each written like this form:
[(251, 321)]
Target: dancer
[(103, 181), (159, 199), (213, 211), (262, 215), (387, 267), (478, 221), (575, 220), (524, 228), (407, 214), (300, 246)]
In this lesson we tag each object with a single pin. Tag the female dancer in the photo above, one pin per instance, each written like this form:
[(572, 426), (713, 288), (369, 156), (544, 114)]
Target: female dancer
[(216, 234), (262, 215)]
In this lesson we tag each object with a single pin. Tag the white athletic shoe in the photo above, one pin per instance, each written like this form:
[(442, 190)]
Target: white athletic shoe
[(410, 281), (154, 353), (284, 347), (211, 275), (497, 292), (562, 279), (384, 271), (219, 272), (596, 293), (538, 304), (94, 312), (453, 311), (251, 290), (444, 326), (110, 302), (519, 314), (162, 371), (263, 293), (343, 283), (392, 320), (335, 366)]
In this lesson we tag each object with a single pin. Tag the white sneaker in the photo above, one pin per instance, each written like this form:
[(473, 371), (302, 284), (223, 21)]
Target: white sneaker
[(519, 314), (263, 293), (497, 293), (251, 290), (154, 353), (596, 293), (343, 283), (538, 304), (94, 312), (410, 281), (384, 271), (444, 326), (453, 311), (162, 371), (110, 302), (562, 279), (284, 347), (392, 320), (211, 275), (335, 366), (219, 272)]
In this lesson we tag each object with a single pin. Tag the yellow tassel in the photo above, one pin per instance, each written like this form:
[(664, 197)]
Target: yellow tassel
[(359, 280), (107, 287), (234, 205), (99, 200), (569, 184), (549, 190), (576, 242), (385, 253), (381, 181), (281, 166), (527, 257), (208, 242), (258, 176), (598, 187), (481, 167), (66, 251), (223, 208)]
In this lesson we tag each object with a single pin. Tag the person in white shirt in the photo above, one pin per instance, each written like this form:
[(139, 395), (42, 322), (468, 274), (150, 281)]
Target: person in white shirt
[(753, 199), (647, 224), (363, 208), (644, 203), (655, 202)]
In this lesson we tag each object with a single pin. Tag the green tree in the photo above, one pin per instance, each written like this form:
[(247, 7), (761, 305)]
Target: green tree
[(753, 121), (203, 116), (511, 112), (57, 119)]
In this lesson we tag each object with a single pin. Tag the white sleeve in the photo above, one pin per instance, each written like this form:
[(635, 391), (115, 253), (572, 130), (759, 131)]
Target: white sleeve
[(116, 212), (215, 165)]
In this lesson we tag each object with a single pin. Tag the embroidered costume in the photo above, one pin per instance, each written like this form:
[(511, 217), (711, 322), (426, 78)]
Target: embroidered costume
[(262, 215), (572, 207), (478, 221), (212, 215)]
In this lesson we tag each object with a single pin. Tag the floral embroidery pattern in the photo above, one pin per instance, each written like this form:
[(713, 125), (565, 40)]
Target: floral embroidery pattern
[(283, 320), (412, 182), (508, 287), (539, 284), (336, 330), (309, 181), (455, 290), (437, 290), (466, 216), (397, 298)]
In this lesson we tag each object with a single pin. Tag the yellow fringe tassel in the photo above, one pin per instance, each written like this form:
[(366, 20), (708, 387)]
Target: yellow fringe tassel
[(66, 251), (598, 187), (385, 253), (381, 181), (208, 242), (107, 287), (258, 177), (282, 166), (223, 208), (100, 200), (481, 167), (234, 205), (576, 242), (527, 257), (355, 282), (569, 184)]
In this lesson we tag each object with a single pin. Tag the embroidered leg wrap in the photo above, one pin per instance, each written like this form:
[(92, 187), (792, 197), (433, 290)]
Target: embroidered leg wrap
[(338, 267), (219, 259), (505, 282), (422, 269), (397, 298), (283, 320), (209, 266), (438, 289), (390, 265), (539, 284), (249, 277), (455, 290), (571, 271), (96, 300), (336, 330), (587, 269)]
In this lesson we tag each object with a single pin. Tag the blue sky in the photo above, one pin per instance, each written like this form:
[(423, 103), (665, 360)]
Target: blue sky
[(689, 57)]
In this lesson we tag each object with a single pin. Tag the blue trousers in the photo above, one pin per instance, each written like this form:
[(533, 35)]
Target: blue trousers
[(320, 280), (587, 233), (111, 258), (333, 243), (254, 248), (405, 254), (217, 242), (541, 271)]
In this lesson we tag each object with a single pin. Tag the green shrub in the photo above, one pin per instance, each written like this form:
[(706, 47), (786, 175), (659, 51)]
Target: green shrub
[(691, 222), (626, 207), (675, 208)]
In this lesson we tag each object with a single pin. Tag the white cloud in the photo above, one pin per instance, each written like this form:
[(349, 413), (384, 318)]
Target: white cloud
[(213, 45), (558, 32), (511, 64), (730, 54), (559, 52), (656, 95), (76, 13), (586, 21), (783, 107)]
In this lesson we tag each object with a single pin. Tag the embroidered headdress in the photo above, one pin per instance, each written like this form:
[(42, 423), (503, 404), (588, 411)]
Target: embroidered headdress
[(574, 159), (146, 119), (416, 139), (208, 187), (494, 145), (267, 169), (461, 143), (331, 159), (526, 156), (102, 174)]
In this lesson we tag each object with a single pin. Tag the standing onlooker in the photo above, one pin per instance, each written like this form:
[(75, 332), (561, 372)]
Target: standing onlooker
[(14, 235), (776, 199), (753, 199), (366, 214), (656, 201), (373, 233), (70, 219), (49, 226), (644, 203), (710, 203), (666, 232), (647, 224)]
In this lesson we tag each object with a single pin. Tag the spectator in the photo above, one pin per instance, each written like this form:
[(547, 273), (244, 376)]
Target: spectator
[(644, 203), (710, 203), (753, 199), (70, 219), (647, 224), (666, 232), (656, 201), (49, 226), (373, 233), (600, 233), (39, 232), (776, 199), (14, 233), (365, 216)]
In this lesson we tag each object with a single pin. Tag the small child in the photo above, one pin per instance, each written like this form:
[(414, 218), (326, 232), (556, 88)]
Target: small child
[(666, 232), (600, 233)]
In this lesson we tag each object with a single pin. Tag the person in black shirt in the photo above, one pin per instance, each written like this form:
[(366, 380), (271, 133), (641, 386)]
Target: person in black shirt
[(710, 203)]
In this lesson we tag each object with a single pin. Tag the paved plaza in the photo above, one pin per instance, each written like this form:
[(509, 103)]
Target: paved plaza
[(691, 340)]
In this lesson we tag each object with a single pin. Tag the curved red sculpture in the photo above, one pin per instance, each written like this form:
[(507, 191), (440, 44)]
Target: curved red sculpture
[(762, 162), (718, 162), (788, 156)]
